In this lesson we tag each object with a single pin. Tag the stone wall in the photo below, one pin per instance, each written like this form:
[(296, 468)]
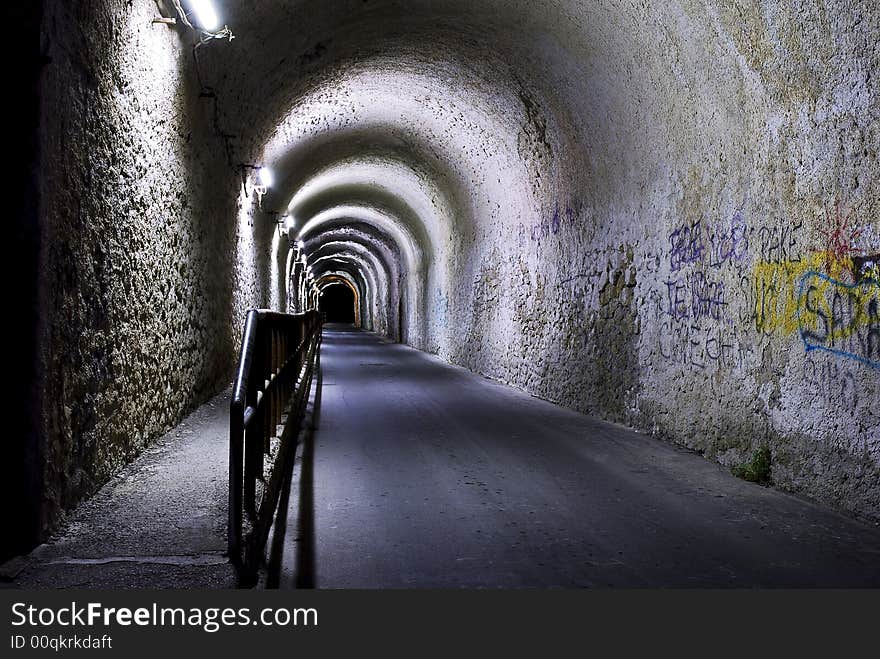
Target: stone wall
[(141, 296), (657, 213), (651, 212)]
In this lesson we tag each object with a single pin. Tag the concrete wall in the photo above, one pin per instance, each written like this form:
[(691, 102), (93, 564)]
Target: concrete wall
[(645, 211), (143, 293)]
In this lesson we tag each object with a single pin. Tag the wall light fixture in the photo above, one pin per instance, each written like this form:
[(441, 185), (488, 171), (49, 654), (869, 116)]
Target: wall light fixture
[(203, 18)]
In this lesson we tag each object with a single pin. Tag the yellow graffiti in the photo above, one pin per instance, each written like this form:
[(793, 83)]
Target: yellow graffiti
[(831, 311), (776, 289)]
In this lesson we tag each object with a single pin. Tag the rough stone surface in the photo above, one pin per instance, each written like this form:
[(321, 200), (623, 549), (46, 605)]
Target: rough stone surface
[(159, 523), (652, 212), (644, 211), (141, 297)]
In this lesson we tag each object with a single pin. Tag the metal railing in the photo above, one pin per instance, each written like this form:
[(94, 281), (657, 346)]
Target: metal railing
[(279, 354)]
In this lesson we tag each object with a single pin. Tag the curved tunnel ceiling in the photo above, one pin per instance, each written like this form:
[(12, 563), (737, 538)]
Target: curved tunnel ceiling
[(382, 221), (364, 235), (453, 114), (501, 141)]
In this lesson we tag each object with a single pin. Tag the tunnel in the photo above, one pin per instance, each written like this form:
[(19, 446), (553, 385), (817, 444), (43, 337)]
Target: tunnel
[(662, 217), (337, 302)]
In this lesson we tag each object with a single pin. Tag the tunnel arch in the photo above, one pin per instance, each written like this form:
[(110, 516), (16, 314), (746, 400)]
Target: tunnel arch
[(337, 303), (331, 281), (356, 282), (413, 281), (379, 219), (617, 134), (374, 318), (384, 255), (353, 267), (536, 165), (385, 286)]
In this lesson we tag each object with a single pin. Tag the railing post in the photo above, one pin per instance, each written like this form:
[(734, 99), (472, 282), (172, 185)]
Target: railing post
[(236, 464), (253, 439), (276, 350)]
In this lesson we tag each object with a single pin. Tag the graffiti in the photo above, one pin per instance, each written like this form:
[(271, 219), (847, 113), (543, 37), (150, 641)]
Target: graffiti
[(832, 382), (775, 306), (840, 238), (551, 226), (778, 244), (652, 261), (866, 267), (699, 347), (712, 246), (829, 297), (840, 318), (728, 245), (686, 246), (774, 294), (695, 297)]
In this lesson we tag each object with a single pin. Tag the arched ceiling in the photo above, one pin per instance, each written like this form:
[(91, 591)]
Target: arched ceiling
[(450, 114), (465, 132)]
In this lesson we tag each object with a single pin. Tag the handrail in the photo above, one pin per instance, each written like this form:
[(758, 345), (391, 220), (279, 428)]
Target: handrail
[(278, 356)]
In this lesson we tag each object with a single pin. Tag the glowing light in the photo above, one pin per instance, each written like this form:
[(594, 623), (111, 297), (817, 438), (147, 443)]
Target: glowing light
[(265, 176), (301, 244), (205, 15)]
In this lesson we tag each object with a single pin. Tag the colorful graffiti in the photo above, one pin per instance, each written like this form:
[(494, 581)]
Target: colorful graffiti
[(829, 297), (840, 238), (826, 296), (774, 293), (840, 318)]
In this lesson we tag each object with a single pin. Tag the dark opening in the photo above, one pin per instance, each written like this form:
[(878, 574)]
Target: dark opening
[(21, 467), (337, 301)]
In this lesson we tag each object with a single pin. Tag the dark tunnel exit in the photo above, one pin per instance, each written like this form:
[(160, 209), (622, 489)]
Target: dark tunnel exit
[(337, 301)]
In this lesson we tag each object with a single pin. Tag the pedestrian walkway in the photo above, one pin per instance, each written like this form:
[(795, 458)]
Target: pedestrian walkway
[(419, 474), (428, 476), (161, 523)]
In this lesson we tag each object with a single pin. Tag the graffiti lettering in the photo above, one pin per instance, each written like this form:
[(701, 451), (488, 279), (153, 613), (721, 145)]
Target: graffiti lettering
[(778, 243), (686, 246), (697, 347), (840, 318), (695, 297), (832, 382), (552, 225)]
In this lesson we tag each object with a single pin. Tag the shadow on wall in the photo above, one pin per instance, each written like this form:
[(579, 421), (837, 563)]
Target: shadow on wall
[(20, 473)]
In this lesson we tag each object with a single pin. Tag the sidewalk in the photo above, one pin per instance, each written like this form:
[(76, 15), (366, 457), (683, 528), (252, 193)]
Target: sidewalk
[(160, 523)]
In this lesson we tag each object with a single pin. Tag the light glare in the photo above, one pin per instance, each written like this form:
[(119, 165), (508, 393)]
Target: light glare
[(265, 175), (205, 15)]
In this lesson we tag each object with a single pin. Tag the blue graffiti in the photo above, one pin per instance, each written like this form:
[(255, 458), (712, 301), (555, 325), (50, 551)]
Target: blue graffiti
[(840, 318)]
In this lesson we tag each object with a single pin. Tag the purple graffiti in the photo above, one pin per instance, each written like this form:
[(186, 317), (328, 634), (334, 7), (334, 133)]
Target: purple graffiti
[(711, 246), (695, 297), (686, 245), (552, 226)]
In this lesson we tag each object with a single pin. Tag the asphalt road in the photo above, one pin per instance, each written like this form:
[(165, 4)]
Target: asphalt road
[(423, 475)]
